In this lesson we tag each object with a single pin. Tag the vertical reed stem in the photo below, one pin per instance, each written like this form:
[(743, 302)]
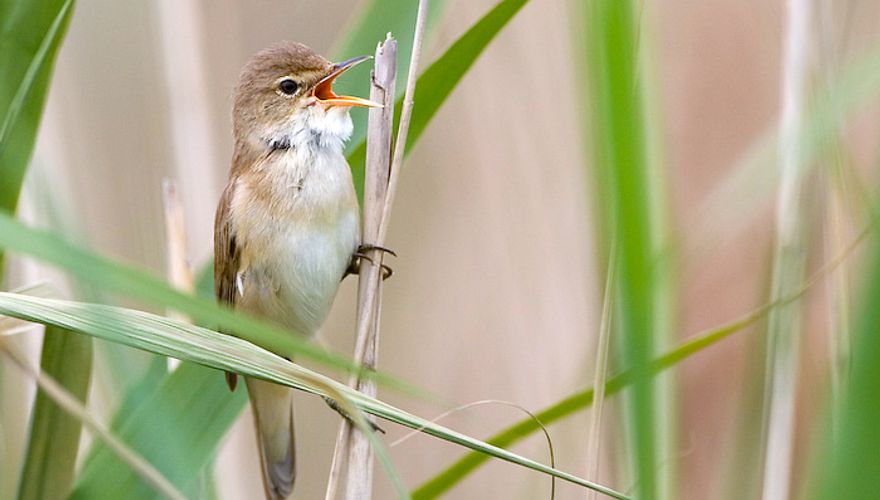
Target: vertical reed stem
[(788, 261), (382, 174)]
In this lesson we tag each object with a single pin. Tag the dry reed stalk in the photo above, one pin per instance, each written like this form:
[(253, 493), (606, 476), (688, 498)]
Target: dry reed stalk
[(382, 174), (177, 261), (179, 270), (352, 448)]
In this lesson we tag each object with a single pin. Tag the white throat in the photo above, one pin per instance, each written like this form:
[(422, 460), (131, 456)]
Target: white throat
[(316, 129)]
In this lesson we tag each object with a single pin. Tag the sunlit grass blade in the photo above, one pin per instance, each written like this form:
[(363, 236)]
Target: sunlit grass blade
[(170, 337), (53, 442), (442, 77), (177, 428)]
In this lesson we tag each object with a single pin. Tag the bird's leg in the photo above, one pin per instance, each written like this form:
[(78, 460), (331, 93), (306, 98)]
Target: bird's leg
[(335, 406), (361, 253)]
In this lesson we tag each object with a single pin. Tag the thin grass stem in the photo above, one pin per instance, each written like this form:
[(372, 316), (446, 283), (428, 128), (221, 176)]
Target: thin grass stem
[(600, 373)]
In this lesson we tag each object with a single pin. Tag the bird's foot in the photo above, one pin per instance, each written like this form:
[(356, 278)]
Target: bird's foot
[(335, 406), (361, 253)]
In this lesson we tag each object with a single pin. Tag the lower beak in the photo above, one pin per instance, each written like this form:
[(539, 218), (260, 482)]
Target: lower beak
[(323, 91)]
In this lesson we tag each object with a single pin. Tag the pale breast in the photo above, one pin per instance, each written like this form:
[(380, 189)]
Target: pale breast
[(297, 225)]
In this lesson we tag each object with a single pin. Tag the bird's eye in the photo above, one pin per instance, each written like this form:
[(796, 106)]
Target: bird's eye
[(288, 86)]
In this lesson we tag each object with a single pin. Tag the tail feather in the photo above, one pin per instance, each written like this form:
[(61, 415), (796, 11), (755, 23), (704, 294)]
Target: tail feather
[(273, 417)]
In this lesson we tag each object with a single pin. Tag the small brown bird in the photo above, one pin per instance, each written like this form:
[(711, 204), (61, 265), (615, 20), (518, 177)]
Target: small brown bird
[(287, 225)]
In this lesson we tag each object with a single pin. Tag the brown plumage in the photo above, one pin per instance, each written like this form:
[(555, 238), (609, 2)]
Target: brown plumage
[(287, 223)]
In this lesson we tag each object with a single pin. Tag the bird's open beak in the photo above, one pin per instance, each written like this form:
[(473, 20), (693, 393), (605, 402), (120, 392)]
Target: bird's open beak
[(324, 89)]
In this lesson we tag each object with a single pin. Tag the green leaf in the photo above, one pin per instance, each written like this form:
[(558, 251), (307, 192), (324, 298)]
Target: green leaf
[(177, 428), (54, 435), (441, 78), (170, 337), (30, 34)]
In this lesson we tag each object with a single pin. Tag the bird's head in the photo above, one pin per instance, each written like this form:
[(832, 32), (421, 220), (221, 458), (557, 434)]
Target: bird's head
[(285, 98)]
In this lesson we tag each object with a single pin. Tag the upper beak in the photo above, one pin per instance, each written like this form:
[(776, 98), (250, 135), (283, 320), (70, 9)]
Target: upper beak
[(323, 91)]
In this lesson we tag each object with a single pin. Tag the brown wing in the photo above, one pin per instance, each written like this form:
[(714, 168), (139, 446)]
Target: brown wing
[(225, 259)]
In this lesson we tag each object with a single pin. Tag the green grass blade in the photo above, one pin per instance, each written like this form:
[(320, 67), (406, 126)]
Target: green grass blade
[(177, 428), (30, 34), (174, 338), (630, 182), (441, 77), (53, 442)]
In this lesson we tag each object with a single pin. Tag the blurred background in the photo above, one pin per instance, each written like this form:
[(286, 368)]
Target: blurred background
[(498, 287)]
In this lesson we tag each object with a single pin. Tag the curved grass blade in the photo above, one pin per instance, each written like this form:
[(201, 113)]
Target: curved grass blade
[(170, 337), (441, 78)]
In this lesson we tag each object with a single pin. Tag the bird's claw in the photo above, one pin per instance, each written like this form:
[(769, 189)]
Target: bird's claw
[(361, 253), (365, 247)]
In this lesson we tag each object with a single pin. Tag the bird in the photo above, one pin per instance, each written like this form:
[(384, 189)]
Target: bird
[(287, 226)]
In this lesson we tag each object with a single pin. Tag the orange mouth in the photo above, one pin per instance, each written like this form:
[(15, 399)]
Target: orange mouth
[(323, 91)]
